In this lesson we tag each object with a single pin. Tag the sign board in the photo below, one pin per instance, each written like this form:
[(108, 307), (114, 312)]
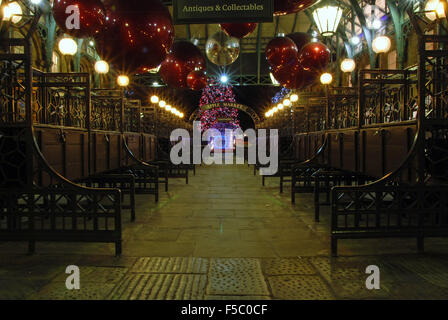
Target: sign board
[(221, 11)]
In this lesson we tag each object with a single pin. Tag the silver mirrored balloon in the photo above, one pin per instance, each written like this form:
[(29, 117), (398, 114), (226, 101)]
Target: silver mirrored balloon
[(221, 49)]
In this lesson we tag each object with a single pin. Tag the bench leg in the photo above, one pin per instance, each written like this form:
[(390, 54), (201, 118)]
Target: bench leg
[(293, 193), (316, 206), (186, 178), (263, 180), (31, 247), (420, 244), (118, 248), (334, 246)]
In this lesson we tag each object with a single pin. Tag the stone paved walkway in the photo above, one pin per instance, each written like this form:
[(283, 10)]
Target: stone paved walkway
[(224, 236)]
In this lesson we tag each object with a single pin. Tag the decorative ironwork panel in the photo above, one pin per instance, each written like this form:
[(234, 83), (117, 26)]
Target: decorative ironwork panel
[(106, 109)]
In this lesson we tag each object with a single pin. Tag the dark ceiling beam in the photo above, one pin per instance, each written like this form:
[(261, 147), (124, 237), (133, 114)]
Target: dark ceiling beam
[(294, 23), (398, 21), (277, 20), (367, 33), (260, 28), (187, 26)]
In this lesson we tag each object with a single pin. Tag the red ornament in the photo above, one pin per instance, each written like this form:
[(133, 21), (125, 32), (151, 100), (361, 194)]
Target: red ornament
[(282, 7), (238, 30), (294, 76), (300, 39), (197, 80), (92, 17), (138, 34), (184, 58), (280, 51), (315, 56)]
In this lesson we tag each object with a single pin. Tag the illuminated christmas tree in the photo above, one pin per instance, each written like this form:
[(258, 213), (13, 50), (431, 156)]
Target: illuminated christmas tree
[(220, 118)]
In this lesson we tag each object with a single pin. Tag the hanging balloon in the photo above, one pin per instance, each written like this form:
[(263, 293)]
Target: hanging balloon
[(184, 58), (197, 80), (280, 51), (300, 39), (238, 30), (136, 40), (294, 76), (282, 7), (92, 17), (221, 49), (315, 56)]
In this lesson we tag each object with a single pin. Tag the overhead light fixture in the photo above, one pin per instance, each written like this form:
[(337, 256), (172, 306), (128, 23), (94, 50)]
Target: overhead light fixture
[(168, 108), (123, 80), (381, 44), (36, 1), (280, 106), (294, 98), (327, 17), (181, 115), (154, 99), (326, 78), (101, 67), (286, 102), (162, 104), (376, 24), (435, 9), (348, 65), (355, 40), (68, 46), (224, 78), (12, 12)]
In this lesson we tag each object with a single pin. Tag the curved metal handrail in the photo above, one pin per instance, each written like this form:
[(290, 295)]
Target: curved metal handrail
[(133, 157), (319, 152), (43, 161)]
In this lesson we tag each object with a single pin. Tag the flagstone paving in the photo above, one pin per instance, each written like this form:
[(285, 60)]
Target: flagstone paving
[(224, 236)]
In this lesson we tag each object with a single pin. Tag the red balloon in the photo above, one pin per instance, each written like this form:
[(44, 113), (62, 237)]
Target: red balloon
[(238, 30), (294, 76), (280, 51), (282, 7), (315, 56), (300, 39), (184, 58), (138, 34), (197, 80), (92, 17)]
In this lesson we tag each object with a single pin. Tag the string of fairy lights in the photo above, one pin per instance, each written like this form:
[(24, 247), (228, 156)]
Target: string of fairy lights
[(165, 106), (287, 102)]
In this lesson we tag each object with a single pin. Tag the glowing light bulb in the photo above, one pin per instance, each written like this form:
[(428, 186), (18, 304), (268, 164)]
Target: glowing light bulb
[(348, 65), (12, 12), (326, 78), (101, 67), (123, 81), (381, 44), (68, 46), (162, 104), (286, 102), (154, 99), (294, 98)]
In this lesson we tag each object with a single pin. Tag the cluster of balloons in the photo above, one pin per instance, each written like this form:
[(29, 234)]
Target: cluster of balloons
[(134, 35), (184, 67), (295, 61)]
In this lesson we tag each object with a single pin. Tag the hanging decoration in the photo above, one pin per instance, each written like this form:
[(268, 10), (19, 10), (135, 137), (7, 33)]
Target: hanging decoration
[(183, 59), (238, 30), (315, 56), (283, 7), (281, 50), (295, 61), (197, 80), (214, 118), (221, 49), (92, 17), (279, 96), (136, 40)]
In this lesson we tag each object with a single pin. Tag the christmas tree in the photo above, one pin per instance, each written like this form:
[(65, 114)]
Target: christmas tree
[(220, 118)]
